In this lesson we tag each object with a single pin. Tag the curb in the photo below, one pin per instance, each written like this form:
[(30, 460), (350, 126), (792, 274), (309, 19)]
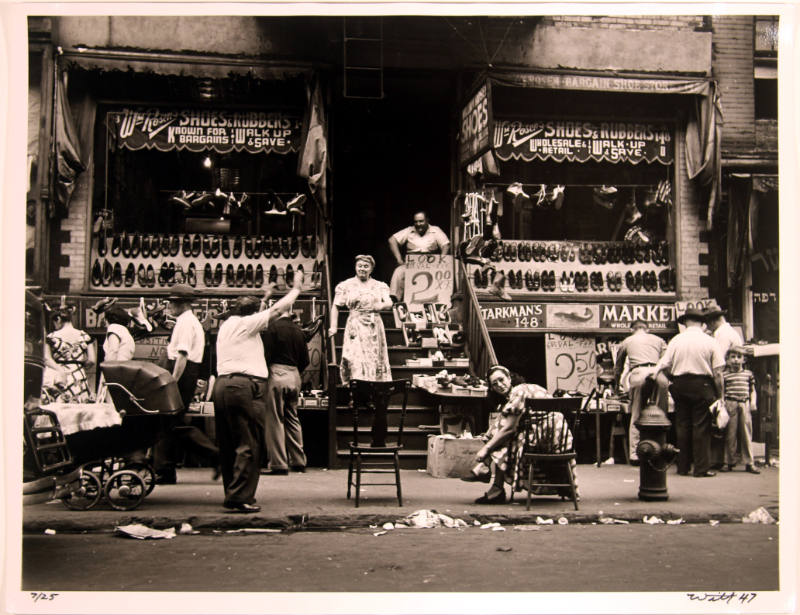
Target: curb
[(306, 522)]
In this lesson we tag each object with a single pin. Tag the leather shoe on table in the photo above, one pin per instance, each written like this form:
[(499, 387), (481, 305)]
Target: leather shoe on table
[(242, 507), (500, 498), (706, 474)]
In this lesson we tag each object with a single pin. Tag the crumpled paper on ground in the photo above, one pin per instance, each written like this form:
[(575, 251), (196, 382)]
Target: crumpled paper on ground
[(142, 532), (759, 515), (612, 521), (426, 519), (540, 521), (652, 520)]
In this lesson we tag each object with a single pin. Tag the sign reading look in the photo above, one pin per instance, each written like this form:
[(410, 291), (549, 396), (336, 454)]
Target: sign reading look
[(198, 130), (429, 279), (571, 362), (582, 141)]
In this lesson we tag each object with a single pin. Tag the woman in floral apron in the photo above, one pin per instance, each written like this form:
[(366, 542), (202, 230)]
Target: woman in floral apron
[(365, 355), (68, 353)]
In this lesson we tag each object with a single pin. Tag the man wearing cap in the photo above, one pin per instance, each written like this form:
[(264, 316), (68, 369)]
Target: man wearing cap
[(421, 238), (184, 356), (239, 405), (287, 357), (642, 350), (727, 337), (694, 362)]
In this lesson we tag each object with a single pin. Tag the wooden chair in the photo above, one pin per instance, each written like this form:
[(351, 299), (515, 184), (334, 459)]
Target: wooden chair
[(548, 443), (371, 458)]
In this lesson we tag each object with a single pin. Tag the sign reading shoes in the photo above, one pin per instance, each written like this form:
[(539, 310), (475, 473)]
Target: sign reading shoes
[(603, 317), (206, 129), (582, 141)]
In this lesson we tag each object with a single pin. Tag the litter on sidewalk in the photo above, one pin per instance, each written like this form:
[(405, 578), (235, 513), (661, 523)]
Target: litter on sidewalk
[(652, 520), (759, 515), (142, 532), (426, 519), (612, 521), (50, 532), (677, 521), (540, 521)]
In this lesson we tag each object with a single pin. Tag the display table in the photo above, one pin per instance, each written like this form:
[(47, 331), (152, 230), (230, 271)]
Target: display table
[(459, 407)]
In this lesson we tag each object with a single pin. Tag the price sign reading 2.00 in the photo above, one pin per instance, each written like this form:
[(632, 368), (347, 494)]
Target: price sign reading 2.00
[(429, 279)]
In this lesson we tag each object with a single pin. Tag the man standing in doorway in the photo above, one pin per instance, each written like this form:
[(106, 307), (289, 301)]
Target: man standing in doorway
[(642, 351), (695, 364), (184, 356), (239, 396), (287, 356), (421, 238)]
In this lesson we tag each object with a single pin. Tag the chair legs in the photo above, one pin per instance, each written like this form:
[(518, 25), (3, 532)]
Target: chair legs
[(530, 486), (358, 478), (572, 485), (350, 475), (397, 478)]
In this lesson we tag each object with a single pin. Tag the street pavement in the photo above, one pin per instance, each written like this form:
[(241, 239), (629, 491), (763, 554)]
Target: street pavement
[(316, 500)]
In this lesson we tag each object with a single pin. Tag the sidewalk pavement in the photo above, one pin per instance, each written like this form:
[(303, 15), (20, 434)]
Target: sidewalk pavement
[(317, 500)]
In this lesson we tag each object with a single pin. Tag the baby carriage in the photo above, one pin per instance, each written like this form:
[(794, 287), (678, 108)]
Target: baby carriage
[(111, 457)]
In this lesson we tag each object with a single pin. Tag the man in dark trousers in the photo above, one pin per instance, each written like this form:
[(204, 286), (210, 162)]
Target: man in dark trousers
[(184, 356), (695, 363), (239, 396), (287, 357)]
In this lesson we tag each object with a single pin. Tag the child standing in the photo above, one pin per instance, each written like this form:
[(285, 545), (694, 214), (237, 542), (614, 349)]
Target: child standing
[(740, 399)]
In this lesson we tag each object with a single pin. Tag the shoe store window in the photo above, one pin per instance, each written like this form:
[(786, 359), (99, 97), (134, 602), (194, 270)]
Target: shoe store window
[(207, 197)]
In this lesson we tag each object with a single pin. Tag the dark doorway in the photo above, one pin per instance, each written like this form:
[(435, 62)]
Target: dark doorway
[(391, 158)]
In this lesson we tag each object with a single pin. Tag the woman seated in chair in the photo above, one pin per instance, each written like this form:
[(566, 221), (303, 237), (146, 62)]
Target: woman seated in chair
[(505, 439)]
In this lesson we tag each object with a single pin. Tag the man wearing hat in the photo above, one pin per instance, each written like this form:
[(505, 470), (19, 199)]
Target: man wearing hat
[(421, 238), (694, 363), (642, 350), (184, 356), (727, 337), (239, 395)]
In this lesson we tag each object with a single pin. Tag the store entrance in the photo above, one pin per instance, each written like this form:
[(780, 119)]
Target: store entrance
[(391, 158)]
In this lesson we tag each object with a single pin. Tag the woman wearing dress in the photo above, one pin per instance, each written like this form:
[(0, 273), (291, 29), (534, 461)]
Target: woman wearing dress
[(365, 355), (119, 344), (67, 354), (504, 437)]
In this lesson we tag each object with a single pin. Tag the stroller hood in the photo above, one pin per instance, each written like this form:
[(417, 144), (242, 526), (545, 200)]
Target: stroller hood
[(155, 385)]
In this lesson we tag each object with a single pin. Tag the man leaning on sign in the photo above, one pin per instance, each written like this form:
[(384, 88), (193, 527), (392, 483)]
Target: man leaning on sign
[(421, 238)]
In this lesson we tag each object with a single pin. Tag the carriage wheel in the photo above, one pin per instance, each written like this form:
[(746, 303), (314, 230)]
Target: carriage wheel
[(87, 495), (125, 490), (146, 473)]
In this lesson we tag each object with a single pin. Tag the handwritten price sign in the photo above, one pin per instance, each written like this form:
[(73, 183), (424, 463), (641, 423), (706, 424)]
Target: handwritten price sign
[(429, 279), (571, 362)]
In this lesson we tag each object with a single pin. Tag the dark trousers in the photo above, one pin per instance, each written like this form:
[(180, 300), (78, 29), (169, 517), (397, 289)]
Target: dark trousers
[(693, 395), (239, 414), (176, 428)]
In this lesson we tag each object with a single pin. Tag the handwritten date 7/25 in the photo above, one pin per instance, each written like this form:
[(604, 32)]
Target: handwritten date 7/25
[(37, 596)]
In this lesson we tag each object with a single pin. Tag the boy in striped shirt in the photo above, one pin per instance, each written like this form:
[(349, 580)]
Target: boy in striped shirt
[(740, 399)]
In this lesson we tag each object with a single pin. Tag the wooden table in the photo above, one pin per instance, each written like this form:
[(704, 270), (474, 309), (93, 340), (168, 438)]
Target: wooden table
[(467, 400)]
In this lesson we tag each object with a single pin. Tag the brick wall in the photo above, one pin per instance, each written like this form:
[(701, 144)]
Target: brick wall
[(73, 240), (732, 66), (628, 22)]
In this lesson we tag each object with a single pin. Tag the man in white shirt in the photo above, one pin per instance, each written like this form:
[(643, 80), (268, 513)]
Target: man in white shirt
[(239, 404), (421, 238), (184, 356), (695, 365), (727, 337)]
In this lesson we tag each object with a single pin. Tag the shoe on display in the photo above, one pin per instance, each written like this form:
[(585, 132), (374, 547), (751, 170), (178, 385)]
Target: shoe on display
[(116, 245), (130, 275), (299, 273), (177, 276), (266, 247), (289, 276), (564, 253), (102, 246), (258, 279), (240, 276), (294, 247), (146, 244), (116, 275), (166, 245), (637, 281), (529, 280), (257, 247), (191, 275), (208, 276), (97, 273), (285, 247), (108, 273), (174, 245), (196, 246), (162, 274), (237, 247), (563, 284), (141, 276), (312, 247), (536, 281), (151, 276), (225, 247), (295, 205), (248, 276), (230, 276), (248, 247), (218, 274), (136, 245), (273, 275), (276, 247), (629, 280), (304, 246), (215, 246), (126, 245)]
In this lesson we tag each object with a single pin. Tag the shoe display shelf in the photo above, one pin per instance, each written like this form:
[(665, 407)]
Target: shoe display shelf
[(219, 262)]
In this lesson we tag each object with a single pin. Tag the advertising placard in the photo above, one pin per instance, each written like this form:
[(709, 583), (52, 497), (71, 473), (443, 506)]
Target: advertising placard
[(571, 362), (523, 315), (474, 133), (583, 141), (198, 130), (429, 279), (658, 316)]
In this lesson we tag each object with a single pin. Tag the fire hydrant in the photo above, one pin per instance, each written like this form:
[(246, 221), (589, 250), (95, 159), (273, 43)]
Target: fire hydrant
[(655, 454)]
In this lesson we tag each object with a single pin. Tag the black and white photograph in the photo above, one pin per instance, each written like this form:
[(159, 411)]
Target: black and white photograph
[(383, 308)]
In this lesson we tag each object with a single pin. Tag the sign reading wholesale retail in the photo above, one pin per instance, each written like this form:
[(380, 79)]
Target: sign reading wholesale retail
[(198, 130), (474, 136), (583, 141), (602, 317)]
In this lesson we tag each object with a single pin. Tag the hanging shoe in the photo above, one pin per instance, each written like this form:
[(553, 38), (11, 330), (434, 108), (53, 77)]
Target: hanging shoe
[(258, 279), (294, 247), (141, 276), (108, 273), (162, 274), (266, 247), (296, 204), (151, 276), (116, 274), (257, 247), (498, 287), (126, 245), (208, 276), (237, 247), (529, 280), (285, 248), (215, 247), (230, 276), (248, 276), (166, 245), (248, 247), (176, 274), (273, 275), (276, 247), (218, 274), (130, 275), (135, 246), (174, 245), (116, 245), (97, 273), (477, 279), (196, 246), (289, 276), (305, 246), (225, 247), (240, 276), (145, 248), (536, 281), (518, 195)]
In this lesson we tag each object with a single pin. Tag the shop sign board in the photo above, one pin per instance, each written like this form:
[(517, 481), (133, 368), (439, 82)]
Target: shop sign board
[(696, 304), (429, 279), (602, 317), (199, 130), (556, 81), (583, 141), (571, 362), (475, 121)]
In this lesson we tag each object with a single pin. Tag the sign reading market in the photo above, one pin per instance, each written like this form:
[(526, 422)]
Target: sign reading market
[(594, 317), (583, 141), (198, 130)]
